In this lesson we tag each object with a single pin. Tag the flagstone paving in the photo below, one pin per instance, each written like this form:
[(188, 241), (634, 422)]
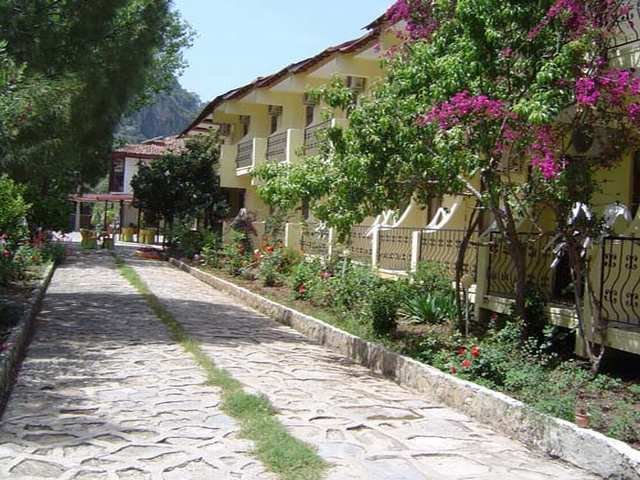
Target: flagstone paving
[(368, 427), (105, 394)]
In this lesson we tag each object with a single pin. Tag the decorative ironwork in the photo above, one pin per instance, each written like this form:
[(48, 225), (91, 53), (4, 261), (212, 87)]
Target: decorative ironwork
[(628, 32), (245, 154), (314, 240), (312, 137), (539, 256), (360, 244), (277, 147), (620, 280), (394, 249), (441, 246)]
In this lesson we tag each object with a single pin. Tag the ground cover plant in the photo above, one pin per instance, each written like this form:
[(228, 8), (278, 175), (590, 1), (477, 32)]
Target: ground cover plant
[(416, 316)]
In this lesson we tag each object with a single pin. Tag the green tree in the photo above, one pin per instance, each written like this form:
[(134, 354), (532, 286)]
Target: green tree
[(81, 66), (183, 185)]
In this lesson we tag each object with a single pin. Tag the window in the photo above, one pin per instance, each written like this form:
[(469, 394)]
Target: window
[(274, 124), (117, 175), (309, 114)]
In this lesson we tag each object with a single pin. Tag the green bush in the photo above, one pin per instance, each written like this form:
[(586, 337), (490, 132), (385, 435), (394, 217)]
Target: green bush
[(54, 252), (383, 307), (431, 278), (304, 277), (13, 211), (235, 251), (212, 250)]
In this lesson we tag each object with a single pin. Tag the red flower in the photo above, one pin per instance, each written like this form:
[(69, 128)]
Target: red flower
[(6, 254), (453, 370), (302, 289), (466, 363), (475, 351), (462, 351), (269, 249)]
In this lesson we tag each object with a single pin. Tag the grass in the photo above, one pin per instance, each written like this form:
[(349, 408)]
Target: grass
[(277, 449)]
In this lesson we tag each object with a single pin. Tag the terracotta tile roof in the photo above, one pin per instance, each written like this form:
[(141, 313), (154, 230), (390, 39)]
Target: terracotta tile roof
[(155, 147), (350, 46)]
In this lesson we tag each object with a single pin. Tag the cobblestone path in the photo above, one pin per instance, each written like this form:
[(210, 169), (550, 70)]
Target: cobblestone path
[(369, 427), (105, 394)]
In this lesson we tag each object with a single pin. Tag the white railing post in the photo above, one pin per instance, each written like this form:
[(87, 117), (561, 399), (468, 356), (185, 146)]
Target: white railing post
[(416, 245), (375, 246), (292, 234), (332, 236)]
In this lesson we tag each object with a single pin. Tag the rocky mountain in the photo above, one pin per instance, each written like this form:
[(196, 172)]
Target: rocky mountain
[(169, 113)]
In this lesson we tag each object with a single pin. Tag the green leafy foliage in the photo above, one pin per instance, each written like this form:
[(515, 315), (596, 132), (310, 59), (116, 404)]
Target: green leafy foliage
[(182, 185), (65, 83)]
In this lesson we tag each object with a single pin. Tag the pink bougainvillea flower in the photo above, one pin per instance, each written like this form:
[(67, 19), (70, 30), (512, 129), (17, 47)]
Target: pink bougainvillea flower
[(462, 351), (475, 351), (466, 363)]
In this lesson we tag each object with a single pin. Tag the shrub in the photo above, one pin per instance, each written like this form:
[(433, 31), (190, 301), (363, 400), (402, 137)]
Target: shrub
[(431, 278), (352, 285), (212, 250), (14, 210), (383, 308), (304, 277), (54, 252), (235, 252)]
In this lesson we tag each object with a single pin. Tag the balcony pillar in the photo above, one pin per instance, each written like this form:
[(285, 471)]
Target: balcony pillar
[(375, 246), (292, 236), (482, 277), (259, 152), (416, 246), (295, 144)]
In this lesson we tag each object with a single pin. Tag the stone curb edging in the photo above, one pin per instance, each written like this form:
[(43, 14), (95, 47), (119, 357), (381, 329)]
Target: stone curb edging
[(587, 449), (20, 336)]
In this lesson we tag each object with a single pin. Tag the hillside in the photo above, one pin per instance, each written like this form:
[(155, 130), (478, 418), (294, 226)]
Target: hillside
[(168, 114)]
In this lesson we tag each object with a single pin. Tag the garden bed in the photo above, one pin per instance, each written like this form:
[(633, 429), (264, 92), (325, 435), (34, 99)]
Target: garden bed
[(561, 389), (19, 305)]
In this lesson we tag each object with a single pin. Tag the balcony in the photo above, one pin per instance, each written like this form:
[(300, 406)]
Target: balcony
[(277, 147), (244, 158), (313, 137)]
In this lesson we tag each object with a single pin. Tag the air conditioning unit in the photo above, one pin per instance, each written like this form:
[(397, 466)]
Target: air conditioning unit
[(310, 99), (356, 84), (275, 110)]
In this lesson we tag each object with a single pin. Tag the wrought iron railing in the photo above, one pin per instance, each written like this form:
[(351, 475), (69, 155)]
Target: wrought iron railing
[(360, 244), (314, 239), (620, 280), (245, 154), (312, 137), (539, 256), (277, 147), (394, 248), (628, 31), (441, 246)]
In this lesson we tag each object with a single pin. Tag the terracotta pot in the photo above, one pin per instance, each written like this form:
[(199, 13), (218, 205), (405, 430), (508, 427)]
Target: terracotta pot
[(582, 419)]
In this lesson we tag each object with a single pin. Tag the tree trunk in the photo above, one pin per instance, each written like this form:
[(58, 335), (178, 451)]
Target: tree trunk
[(473, 225), (580, 277)]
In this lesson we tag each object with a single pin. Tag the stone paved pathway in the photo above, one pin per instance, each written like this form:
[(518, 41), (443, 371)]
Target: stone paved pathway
[(105, 394), (367, 426)]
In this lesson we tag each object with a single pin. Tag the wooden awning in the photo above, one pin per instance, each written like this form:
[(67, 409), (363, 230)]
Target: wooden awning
[(103, 197)]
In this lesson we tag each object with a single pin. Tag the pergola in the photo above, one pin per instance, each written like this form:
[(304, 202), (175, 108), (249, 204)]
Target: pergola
[(107, 198)]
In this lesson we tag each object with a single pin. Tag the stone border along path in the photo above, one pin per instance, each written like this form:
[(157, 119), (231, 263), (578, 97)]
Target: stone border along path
[(367, 426), (104, 393)]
